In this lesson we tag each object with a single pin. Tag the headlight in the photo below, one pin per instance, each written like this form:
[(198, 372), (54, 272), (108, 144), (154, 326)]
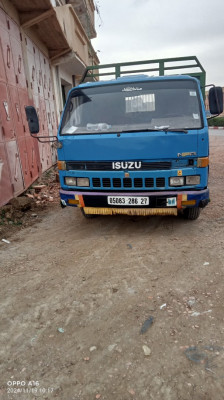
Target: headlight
[(193, 180), (177, 181), (70, 181), (82, 181)]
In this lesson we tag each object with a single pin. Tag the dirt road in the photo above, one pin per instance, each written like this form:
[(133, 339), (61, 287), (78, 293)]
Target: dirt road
[(75, 294)]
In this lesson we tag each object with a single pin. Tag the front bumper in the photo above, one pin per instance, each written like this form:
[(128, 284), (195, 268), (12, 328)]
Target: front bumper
[(96, 202)]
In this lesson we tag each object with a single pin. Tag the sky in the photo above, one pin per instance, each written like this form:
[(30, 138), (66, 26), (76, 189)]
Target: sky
[(130, 30)]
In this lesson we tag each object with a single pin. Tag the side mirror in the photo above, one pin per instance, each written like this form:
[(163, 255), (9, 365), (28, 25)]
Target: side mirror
[(32, 119), (215, 98)]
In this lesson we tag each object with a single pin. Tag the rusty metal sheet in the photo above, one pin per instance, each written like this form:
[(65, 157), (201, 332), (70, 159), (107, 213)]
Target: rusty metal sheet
[(54, 118), (37, 154), (16, 110), (35, 101), (24, 161), (53, 131), (49, 118), (32, 158), (29, 44), (34, 64), (22, 158), (6, 192), (37, 104), (2, 65), (32, 150), (6, 113), (45, 156), (3, 22), (32, 72), (24, 101), (53, 154), (18, 62), (1, 134), (32, 144), (7, 56), (13, 28), (27, 150), (43, 117), (44, 74), (49, 81), (38, 71), (15, 167)]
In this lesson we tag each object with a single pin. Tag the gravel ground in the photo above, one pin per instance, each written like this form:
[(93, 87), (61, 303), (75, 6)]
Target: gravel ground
[(77, 294)]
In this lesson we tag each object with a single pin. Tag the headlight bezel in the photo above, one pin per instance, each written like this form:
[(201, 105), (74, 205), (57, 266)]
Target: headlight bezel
[(77, 181), (178, 179), (188, 180), (191, 178), (72, 182)]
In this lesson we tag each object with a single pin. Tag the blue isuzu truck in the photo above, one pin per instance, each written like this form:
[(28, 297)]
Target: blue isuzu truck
[(137, 144)]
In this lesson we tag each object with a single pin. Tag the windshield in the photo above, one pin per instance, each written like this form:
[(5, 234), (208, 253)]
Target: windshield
[(171, 104)]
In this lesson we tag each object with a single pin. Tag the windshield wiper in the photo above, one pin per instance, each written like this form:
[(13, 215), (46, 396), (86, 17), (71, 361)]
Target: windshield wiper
[(141, 130), (157, 129), (166, 128), (174, 130)]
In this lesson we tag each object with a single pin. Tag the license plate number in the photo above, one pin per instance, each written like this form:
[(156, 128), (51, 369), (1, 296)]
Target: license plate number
[(128, 201)]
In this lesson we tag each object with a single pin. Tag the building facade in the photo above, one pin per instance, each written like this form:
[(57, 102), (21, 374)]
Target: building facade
[(45, 46)]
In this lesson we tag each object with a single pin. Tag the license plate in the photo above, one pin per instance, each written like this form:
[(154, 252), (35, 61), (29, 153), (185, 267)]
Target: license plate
[(127, 201)]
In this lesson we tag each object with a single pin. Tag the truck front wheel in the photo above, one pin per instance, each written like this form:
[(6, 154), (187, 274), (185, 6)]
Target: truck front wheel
[(192, 213)]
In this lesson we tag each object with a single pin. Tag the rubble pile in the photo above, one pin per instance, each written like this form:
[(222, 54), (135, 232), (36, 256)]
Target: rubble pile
[(21, 211)]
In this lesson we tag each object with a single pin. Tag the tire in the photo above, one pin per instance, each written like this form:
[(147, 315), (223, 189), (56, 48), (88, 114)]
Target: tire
[(192, 213), (88, 216)]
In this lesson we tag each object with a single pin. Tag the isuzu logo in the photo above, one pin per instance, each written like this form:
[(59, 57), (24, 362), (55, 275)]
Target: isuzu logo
[(126, 165)]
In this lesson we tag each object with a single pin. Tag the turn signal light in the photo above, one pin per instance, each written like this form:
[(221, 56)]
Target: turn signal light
[(75, 202), (203, 162), (188, 203), (62, 165)]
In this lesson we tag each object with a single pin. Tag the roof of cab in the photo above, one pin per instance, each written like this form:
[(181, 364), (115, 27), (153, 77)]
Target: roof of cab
[(136, 78)]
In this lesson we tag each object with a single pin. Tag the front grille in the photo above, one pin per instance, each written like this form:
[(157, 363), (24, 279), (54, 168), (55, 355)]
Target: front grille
[(160, 182), (107, 165), (96, 182), (106, 182), (128, 183), (149, 182), (138, 182), (117, 182)]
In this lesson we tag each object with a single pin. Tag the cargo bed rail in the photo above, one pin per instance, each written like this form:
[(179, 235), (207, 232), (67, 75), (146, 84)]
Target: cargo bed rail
[(159, 66)]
